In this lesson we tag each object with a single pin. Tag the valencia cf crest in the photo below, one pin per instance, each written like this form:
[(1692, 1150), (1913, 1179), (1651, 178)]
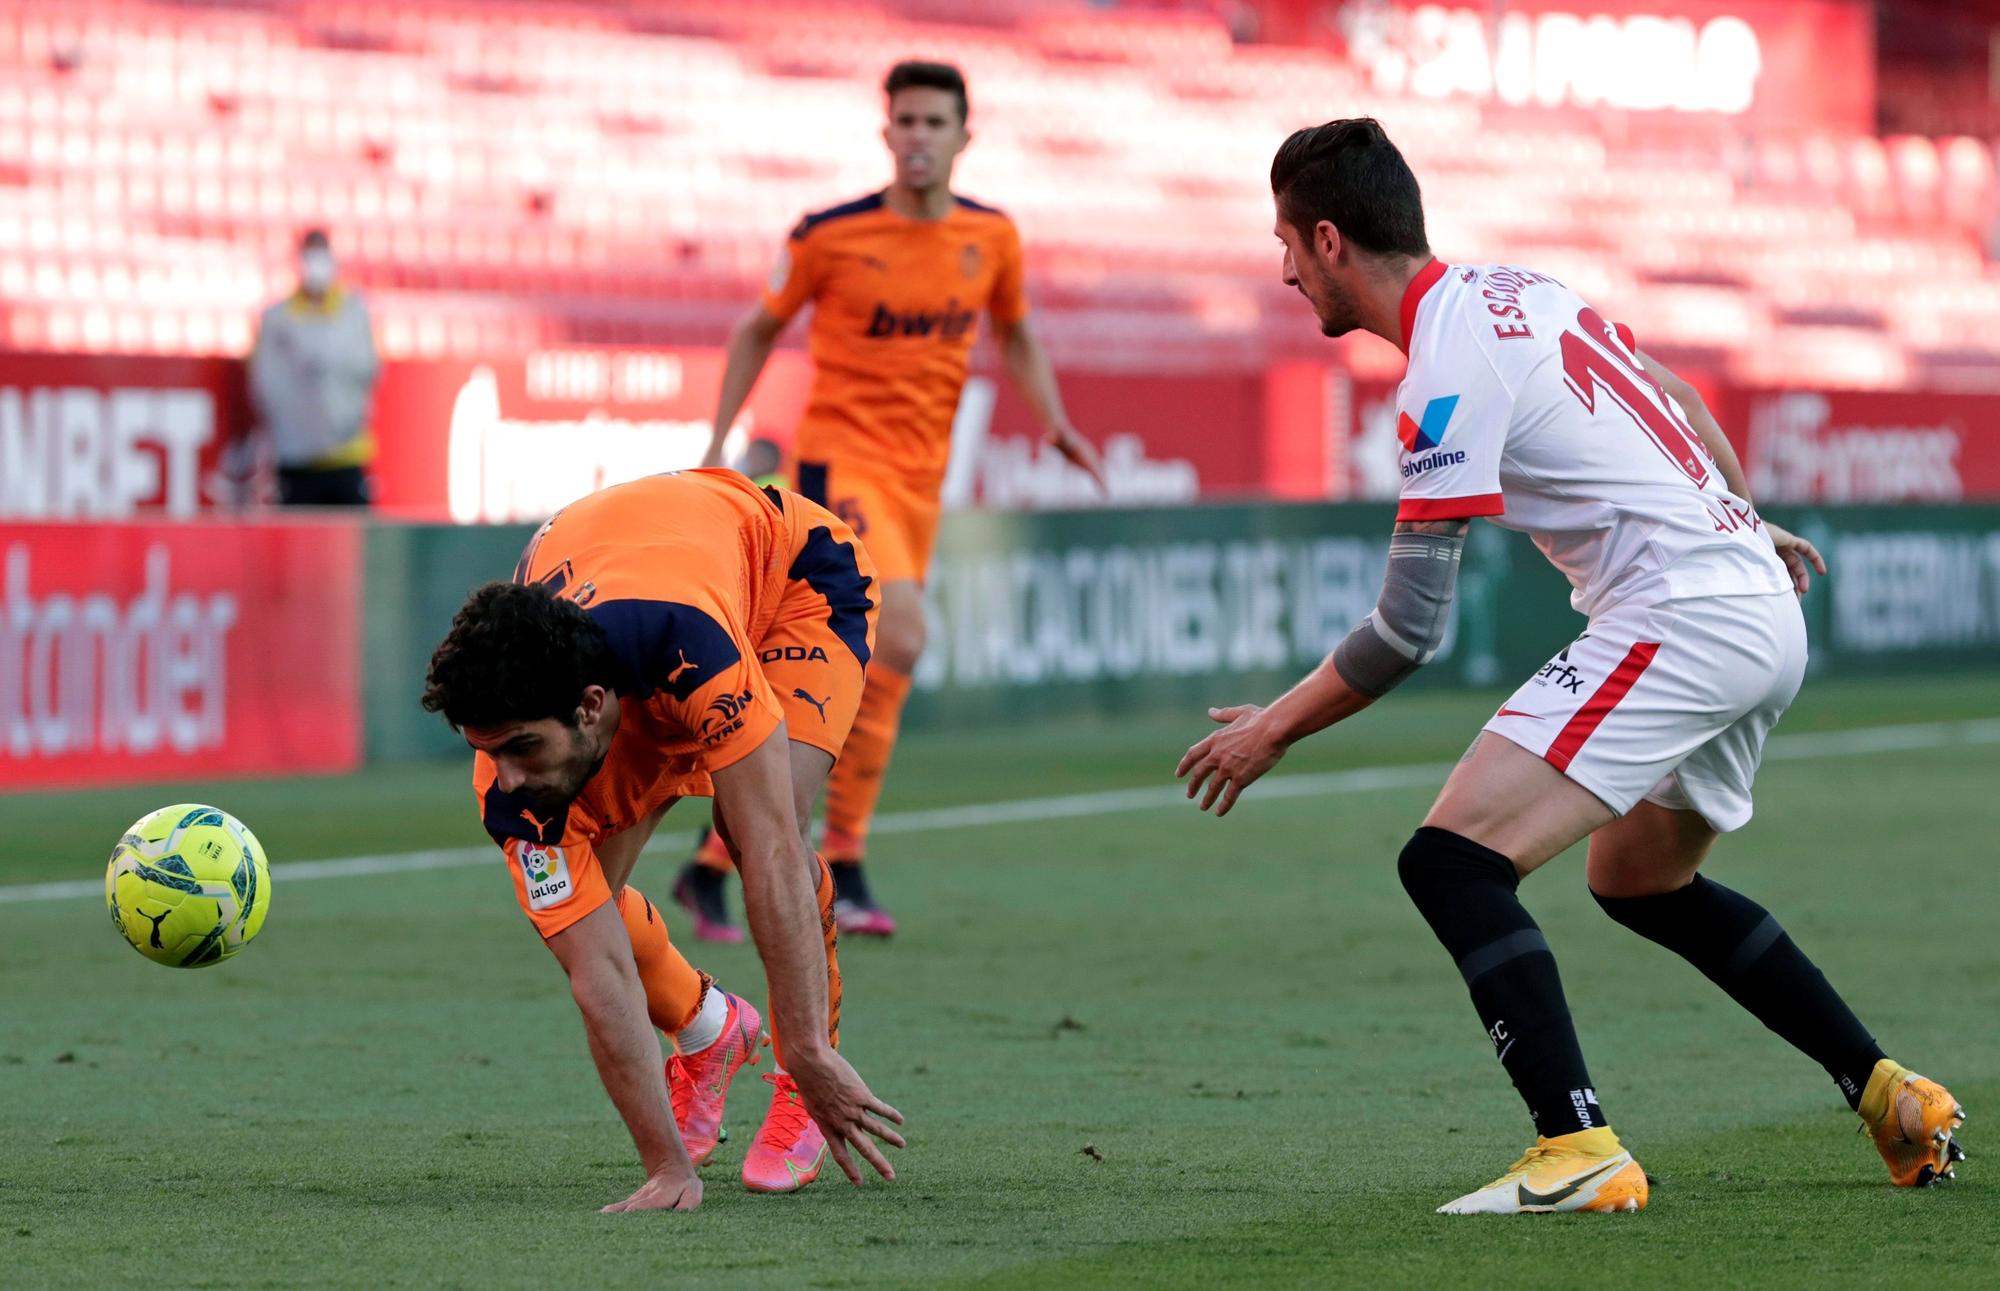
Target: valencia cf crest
[(969, 260)]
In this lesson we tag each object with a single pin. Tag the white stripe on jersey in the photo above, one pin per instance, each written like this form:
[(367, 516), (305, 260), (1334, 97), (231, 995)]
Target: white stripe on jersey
[(1523, 405)]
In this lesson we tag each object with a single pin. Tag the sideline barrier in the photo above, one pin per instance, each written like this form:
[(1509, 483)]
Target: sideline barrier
[(146, 652), (1041, 614), (153, 652)]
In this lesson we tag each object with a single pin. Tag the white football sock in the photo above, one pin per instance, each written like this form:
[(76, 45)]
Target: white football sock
[(706, 1028)]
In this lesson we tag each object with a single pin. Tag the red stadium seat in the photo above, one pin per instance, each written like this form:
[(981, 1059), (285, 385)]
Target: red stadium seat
[(506, 174)]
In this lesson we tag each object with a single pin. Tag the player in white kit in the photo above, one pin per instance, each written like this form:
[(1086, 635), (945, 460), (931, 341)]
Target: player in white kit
[(1521, 404)]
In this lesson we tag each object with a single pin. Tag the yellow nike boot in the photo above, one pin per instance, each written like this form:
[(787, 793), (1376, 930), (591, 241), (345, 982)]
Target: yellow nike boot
[(1586, 1170), (1911, 1120)]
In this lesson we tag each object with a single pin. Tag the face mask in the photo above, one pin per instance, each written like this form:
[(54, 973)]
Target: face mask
[(316, 269)]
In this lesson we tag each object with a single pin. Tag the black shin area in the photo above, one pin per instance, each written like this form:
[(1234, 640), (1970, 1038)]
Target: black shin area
[(1467, 894), (1738, 945)]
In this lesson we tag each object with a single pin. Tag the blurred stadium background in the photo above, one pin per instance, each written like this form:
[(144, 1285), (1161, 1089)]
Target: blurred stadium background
[(555, 210)]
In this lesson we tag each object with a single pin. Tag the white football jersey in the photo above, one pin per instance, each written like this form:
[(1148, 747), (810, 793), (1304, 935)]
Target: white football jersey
[(1523, 405)]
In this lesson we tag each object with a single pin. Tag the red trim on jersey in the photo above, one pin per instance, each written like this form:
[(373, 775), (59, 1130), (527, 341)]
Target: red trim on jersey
[(1630, 341), (1599, 705), (1413, 295), (1468, 507)]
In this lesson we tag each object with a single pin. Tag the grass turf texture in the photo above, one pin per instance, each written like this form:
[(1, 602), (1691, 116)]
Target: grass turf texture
[(1272, 1065)]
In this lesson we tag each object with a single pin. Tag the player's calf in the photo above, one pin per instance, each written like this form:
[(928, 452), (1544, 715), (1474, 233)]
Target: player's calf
[(1739, 946), (1466, 893)]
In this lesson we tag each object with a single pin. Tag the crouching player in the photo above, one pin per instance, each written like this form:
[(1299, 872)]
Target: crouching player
[(683, 635)]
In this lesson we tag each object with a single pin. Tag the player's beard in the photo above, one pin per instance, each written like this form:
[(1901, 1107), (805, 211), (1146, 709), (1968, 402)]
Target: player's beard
[(554, 797), (1336, 313)]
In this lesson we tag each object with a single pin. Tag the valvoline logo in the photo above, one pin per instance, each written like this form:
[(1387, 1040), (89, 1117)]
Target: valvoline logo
[(1421, 437)]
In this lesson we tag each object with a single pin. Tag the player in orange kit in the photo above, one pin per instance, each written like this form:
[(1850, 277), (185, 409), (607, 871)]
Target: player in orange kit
[(897, 281), (680, 635)]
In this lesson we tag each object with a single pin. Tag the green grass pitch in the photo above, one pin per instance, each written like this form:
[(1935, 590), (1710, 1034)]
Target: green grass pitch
[(1139, 1049)]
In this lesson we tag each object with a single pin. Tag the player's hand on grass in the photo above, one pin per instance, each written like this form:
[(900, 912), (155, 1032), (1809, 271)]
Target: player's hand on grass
[(1800, 556), (661, 1192), (1081, 454), (1232, 759), (847, 1113)]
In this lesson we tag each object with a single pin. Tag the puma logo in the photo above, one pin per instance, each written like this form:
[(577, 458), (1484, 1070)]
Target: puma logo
[(820, 704), (156, 927), (674, 676), (541, 827)]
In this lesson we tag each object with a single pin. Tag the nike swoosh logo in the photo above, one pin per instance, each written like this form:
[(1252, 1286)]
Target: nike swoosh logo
[(1530, 1198), (810, 1167), (1515, 712)]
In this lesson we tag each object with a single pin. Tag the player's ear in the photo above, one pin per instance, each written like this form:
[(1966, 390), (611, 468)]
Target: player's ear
[(1327, 242), (590, 708)]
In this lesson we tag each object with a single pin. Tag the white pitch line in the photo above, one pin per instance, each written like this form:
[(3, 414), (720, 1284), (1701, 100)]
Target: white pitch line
[(1782, 748)]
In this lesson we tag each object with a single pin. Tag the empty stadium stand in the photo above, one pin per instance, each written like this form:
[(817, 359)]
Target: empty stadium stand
[(505, 176)]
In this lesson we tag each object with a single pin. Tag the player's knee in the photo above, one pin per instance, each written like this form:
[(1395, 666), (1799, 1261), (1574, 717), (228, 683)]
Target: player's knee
[(900, 636), (1621, 877), (1436, 864)]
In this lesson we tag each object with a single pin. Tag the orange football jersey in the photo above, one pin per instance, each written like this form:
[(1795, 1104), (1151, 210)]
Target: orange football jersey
[(691, 576), (896, 304)]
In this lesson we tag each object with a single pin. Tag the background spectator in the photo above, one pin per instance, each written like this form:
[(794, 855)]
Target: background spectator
[(311, 377)]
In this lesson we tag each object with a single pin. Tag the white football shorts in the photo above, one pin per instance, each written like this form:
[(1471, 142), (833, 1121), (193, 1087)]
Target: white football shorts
[(1669, 702)]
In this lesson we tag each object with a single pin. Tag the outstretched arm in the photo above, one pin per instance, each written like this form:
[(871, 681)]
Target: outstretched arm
[(1028, 366), (753, 803), (1400, 636), (596, 952), (750, 345)]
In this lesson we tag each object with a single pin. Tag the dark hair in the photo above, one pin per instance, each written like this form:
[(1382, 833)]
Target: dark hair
[(516, 654), (313, 238), (913, 74), (1349, 173)]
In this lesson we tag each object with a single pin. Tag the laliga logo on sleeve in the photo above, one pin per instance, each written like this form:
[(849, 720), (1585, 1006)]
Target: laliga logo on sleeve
[(1425, 436), (547, 872)]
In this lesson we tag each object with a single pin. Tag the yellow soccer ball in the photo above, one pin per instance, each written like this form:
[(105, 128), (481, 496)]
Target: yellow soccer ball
[(188, 886)]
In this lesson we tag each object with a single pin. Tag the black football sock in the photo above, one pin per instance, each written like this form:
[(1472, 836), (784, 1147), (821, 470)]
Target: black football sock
[(850, 884), (1466, 893), (706, 888), (1738, 945)]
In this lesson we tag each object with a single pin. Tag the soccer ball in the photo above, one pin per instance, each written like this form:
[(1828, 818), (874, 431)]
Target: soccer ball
[(188, 886)]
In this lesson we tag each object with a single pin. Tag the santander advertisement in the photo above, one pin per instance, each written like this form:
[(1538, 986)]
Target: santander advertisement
[(170, 651)]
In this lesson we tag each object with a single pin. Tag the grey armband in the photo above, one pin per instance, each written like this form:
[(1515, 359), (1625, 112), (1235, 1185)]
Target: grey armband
[(1410, 619)]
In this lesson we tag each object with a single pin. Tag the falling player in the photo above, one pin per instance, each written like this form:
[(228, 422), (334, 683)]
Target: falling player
[(1522, 405), (681, 635), (897, 281)]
